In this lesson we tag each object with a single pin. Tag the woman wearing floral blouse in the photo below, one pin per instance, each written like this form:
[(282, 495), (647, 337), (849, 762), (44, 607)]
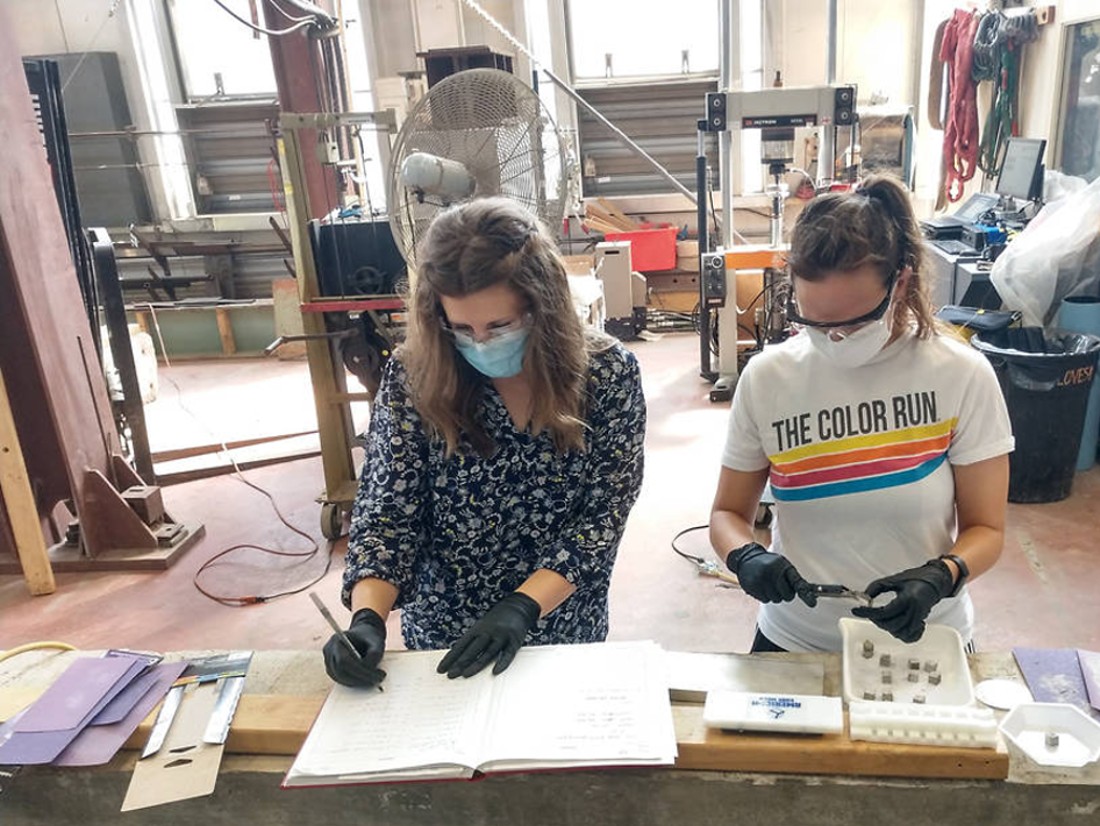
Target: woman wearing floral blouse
[(503, 457)]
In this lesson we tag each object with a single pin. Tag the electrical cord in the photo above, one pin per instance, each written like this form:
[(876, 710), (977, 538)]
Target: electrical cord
[(239, 601), (286, 14), (705, 567), (269, 32), (313, 9), (34, 646)]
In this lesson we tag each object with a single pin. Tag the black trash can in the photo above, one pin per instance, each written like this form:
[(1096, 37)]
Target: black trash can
[(1045, 378)]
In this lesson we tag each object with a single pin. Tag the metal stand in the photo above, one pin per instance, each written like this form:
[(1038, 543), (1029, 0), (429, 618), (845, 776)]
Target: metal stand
[(322, 339)]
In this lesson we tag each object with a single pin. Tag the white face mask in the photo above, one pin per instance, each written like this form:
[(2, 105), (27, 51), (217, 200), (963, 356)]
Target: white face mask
[(853, 350)]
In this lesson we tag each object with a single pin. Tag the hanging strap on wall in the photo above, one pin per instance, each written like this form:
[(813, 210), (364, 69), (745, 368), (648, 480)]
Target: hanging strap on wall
[(998, 49), (936, 76), (960, 136)]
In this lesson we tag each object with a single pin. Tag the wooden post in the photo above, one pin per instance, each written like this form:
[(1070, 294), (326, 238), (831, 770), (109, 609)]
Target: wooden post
[(18, 500), (225, 331)]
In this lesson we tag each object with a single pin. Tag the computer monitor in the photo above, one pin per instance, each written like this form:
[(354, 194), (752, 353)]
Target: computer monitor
[(1022, 170)]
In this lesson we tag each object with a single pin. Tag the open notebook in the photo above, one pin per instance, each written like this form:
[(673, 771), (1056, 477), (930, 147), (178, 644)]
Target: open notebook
[(603, 704)]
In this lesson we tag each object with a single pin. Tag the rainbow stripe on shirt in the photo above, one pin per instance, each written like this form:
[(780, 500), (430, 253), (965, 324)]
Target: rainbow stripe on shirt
[(860, 463)]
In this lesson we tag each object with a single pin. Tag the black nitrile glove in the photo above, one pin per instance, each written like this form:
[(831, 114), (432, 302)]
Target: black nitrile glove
[(917, 589), (496, 636), (368, 634), (768, 577)]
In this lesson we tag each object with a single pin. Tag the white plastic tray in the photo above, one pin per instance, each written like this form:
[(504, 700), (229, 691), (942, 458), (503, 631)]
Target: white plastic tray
[(936, 725), (1078, 735), (938, 651)]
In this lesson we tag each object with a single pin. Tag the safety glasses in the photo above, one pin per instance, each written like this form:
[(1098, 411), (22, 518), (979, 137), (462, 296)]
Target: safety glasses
[(878, 312), (463, 334)]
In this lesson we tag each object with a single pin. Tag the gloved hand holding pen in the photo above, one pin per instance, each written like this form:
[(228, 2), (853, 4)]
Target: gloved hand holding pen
[(367, 635)]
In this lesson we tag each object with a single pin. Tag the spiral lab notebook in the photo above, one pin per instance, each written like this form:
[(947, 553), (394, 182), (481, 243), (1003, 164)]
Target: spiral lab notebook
[(568, 706)]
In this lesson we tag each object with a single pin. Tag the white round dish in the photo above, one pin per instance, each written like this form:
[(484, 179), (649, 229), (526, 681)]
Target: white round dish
[(1002, 693)]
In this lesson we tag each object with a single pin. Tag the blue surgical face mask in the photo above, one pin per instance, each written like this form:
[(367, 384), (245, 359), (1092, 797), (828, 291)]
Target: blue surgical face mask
[(499, 357)]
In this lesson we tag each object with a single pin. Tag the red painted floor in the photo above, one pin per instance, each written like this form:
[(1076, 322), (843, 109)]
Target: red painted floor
[(1042, 594)]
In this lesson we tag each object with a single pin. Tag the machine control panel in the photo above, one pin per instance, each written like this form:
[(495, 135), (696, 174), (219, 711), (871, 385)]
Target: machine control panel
[(713, 271)]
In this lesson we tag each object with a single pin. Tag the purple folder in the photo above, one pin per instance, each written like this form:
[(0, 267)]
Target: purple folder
[(1054, 676), (42, 731), (1090, 668), (99, 742)]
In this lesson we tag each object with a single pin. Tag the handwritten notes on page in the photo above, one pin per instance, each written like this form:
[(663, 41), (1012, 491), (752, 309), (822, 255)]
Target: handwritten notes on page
[(603, 704)]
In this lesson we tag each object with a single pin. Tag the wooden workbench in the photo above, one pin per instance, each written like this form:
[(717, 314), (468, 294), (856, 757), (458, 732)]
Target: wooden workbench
[(758, 774)]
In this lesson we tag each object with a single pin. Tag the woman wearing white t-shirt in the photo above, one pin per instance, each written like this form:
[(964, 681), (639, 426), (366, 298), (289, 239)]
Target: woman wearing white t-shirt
[(886, 442)]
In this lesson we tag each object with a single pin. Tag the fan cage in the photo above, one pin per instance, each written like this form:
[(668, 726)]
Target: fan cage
[(496, 127)]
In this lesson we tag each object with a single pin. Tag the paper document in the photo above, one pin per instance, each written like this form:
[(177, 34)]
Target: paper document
[(604, 704)]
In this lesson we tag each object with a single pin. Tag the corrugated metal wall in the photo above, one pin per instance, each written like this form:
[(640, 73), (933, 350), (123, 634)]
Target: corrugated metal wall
[(661, 116), (231, 154)]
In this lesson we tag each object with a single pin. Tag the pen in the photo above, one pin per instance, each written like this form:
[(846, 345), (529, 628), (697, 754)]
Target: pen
[(336, 627)]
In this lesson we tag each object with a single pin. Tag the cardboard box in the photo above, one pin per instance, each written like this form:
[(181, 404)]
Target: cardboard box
[(687, 256), (579, 264)]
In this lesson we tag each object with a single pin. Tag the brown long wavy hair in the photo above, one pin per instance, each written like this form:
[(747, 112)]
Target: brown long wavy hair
[(873, 224), (471, 247)]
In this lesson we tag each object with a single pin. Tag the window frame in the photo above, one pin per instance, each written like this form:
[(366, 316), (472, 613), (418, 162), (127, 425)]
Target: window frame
[(1061, 112)]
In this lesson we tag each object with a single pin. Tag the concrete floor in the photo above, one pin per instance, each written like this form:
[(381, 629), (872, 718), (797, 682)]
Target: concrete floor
[(1040, 595)]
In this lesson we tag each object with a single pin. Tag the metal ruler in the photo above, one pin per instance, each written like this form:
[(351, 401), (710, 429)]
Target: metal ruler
[(228, 669), (164, 720), (229, 694)]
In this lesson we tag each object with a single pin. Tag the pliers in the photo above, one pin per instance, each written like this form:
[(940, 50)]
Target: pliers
[(709, 568), (841, 592)]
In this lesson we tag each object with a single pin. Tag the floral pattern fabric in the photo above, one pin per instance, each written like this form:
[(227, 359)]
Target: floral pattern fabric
[(456, 534)]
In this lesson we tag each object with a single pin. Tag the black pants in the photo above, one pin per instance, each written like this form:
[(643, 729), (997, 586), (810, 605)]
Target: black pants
[(761, 644)]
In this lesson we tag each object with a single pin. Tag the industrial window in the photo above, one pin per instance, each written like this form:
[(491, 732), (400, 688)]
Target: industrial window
[(229, 85), (632, 38), (218, 56), (646, 67), (1078, 144)]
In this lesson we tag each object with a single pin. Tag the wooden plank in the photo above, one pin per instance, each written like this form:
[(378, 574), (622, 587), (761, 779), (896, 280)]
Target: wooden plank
[(594, 213), (278, 724), (225, 331), (204, 450), (599, 226), (620, 217), (703, 748), (335, 428), (18, 501)]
